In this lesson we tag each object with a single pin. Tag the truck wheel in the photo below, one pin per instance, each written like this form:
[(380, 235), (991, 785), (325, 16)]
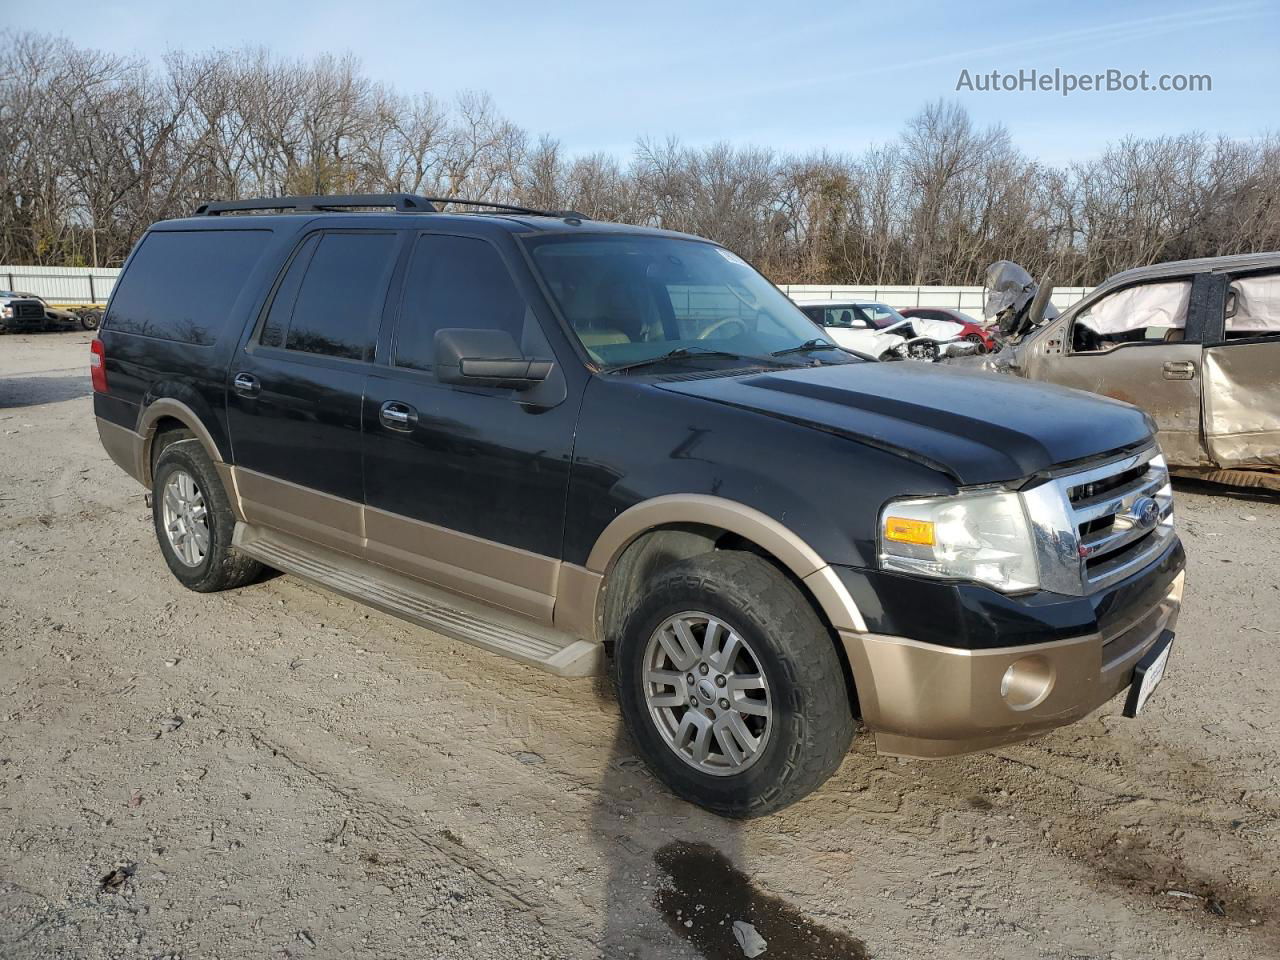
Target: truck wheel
[(194, 523), (731, 687), (90, 319)]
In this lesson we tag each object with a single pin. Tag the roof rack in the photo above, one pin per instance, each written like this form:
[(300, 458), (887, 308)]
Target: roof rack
[(400, 202)]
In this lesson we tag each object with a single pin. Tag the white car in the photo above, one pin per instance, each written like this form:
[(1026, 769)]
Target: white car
[(878, 330)]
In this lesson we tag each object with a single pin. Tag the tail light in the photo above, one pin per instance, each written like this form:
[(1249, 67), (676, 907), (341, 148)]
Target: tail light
[(98, 366)]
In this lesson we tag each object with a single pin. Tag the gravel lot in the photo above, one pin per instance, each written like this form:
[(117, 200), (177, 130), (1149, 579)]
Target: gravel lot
[(279, 772)]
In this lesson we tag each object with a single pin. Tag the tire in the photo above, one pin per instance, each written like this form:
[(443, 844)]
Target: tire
[(809, 724), (186, 490), (90, 319), (975, 338)]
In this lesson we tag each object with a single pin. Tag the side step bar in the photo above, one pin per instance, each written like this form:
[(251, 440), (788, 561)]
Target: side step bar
[(458, 617)]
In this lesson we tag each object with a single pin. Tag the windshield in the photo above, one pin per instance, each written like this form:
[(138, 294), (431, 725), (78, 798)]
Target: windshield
[(631, 298)]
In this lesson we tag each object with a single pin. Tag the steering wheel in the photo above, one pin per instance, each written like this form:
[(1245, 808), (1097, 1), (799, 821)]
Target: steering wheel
[(723, 321)]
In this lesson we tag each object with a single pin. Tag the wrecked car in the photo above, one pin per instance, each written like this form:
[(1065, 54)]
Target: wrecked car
[(878, 330), (26, 311), (1195, 343)]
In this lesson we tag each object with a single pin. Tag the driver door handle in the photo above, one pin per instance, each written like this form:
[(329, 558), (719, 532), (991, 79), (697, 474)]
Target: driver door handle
[(395, 415), (1179, 370), (246, 384)]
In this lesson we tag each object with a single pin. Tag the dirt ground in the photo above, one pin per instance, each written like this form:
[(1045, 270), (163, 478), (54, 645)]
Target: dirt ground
[(279, 772)]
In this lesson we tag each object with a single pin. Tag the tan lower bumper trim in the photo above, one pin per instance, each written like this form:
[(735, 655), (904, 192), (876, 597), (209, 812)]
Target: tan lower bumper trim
[(123, 446), (924, 700)]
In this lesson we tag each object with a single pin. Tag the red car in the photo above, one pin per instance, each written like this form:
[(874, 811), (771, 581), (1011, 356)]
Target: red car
[(973, 330)]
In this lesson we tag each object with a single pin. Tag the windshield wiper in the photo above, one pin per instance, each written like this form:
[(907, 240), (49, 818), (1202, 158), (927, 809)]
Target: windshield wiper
[(814, 344), (680, 353)]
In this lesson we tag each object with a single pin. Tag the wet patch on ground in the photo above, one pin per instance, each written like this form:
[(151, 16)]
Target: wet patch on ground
[(705, 893)]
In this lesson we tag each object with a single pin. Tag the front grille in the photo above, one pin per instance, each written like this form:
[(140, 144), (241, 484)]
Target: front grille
[(1096, 526), (1123, 517), (27, 309)]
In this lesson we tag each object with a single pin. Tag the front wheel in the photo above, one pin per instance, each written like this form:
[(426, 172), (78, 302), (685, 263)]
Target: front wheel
[(731, 686)]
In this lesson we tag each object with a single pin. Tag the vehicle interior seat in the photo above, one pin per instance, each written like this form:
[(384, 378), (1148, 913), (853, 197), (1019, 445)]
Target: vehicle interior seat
[(844, 319), (1175, 335), (620, 311)]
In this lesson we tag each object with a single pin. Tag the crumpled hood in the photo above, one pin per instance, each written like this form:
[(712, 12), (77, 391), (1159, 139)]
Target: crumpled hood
[(977, 427)]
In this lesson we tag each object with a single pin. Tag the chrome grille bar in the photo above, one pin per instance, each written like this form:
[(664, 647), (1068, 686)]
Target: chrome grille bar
[(1087, 545)]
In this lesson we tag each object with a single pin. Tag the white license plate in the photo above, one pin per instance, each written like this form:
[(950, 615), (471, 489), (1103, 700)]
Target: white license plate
[(1147, 676)]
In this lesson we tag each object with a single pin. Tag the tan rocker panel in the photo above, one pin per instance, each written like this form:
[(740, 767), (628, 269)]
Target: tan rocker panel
[(542, 588)]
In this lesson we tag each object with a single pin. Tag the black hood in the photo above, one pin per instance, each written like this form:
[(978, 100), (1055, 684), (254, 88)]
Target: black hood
[(976, 427)]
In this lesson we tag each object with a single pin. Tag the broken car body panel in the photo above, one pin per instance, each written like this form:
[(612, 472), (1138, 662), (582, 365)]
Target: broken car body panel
[(1195, 343)]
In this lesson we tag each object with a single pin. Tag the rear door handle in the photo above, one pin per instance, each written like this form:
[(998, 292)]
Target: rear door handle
[(1179, 370), (398, 416), (246, 384)]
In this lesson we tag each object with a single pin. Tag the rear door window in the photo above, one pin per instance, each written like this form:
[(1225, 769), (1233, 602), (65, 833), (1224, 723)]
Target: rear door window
[(331, 299), (181, 284)]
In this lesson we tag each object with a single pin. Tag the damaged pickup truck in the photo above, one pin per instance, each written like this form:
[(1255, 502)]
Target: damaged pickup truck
[(1195, 343)]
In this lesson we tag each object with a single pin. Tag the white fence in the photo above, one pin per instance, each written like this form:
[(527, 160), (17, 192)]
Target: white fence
[(61, 284), (968, 299), (85, 285)]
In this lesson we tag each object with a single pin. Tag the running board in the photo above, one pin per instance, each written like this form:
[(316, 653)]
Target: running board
[(458, 617)]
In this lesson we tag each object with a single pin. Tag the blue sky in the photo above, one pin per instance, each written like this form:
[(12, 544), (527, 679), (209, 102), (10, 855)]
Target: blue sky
[(791, 76)]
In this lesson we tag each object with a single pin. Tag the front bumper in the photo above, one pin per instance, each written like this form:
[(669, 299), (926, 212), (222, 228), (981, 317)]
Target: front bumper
[(927, 700)]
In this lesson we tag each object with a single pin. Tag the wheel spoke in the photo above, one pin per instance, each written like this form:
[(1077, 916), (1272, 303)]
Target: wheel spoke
[(734, 724), (678, 642), (732, 752), (724, 659), (745, 681), (687, 641), (674, 697), (711, 640), (695, 733), (757, 708)]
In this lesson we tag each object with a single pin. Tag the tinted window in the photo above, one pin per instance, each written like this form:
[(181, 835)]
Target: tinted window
[(341, 296), (455, 282), (180, 285), (286, 296)]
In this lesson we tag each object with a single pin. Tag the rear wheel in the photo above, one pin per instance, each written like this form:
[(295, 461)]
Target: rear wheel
[(731, 686), (194, 522)]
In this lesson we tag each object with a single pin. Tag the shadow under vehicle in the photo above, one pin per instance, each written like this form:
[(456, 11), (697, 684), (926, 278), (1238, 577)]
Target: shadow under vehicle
[(1195, 343)]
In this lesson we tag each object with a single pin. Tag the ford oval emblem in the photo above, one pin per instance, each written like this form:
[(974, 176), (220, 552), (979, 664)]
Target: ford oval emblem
[(1145, 512)]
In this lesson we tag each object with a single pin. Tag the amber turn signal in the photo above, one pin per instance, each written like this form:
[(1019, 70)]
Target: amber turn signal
[(903, 530)]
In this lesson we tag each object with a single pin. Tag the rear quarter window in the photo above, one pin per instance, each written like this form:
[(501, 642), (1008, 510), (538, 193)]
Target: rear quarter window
[(180, 285)]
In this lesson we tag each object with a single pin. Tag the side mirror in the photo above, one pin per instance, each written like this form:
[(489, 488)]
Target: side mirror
[(485, 358)]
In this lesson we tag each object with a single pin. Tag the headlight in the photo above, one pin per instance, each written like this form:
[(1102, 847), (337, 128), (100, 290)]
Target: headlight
[(983, 537)]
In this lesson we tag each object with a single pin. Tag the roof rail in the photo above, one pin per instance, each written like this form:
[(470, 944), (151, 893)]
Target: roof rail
[(400, 202), (510, 208)]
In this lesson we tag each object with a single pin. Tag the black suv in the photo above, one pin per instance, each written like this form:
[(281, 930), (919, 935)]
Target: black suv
[(562, 439)]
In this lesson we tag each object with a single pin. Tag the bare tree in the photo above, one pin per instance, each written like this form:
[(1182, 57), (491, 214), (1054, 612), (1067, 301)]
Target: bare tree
[(94, 147)]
